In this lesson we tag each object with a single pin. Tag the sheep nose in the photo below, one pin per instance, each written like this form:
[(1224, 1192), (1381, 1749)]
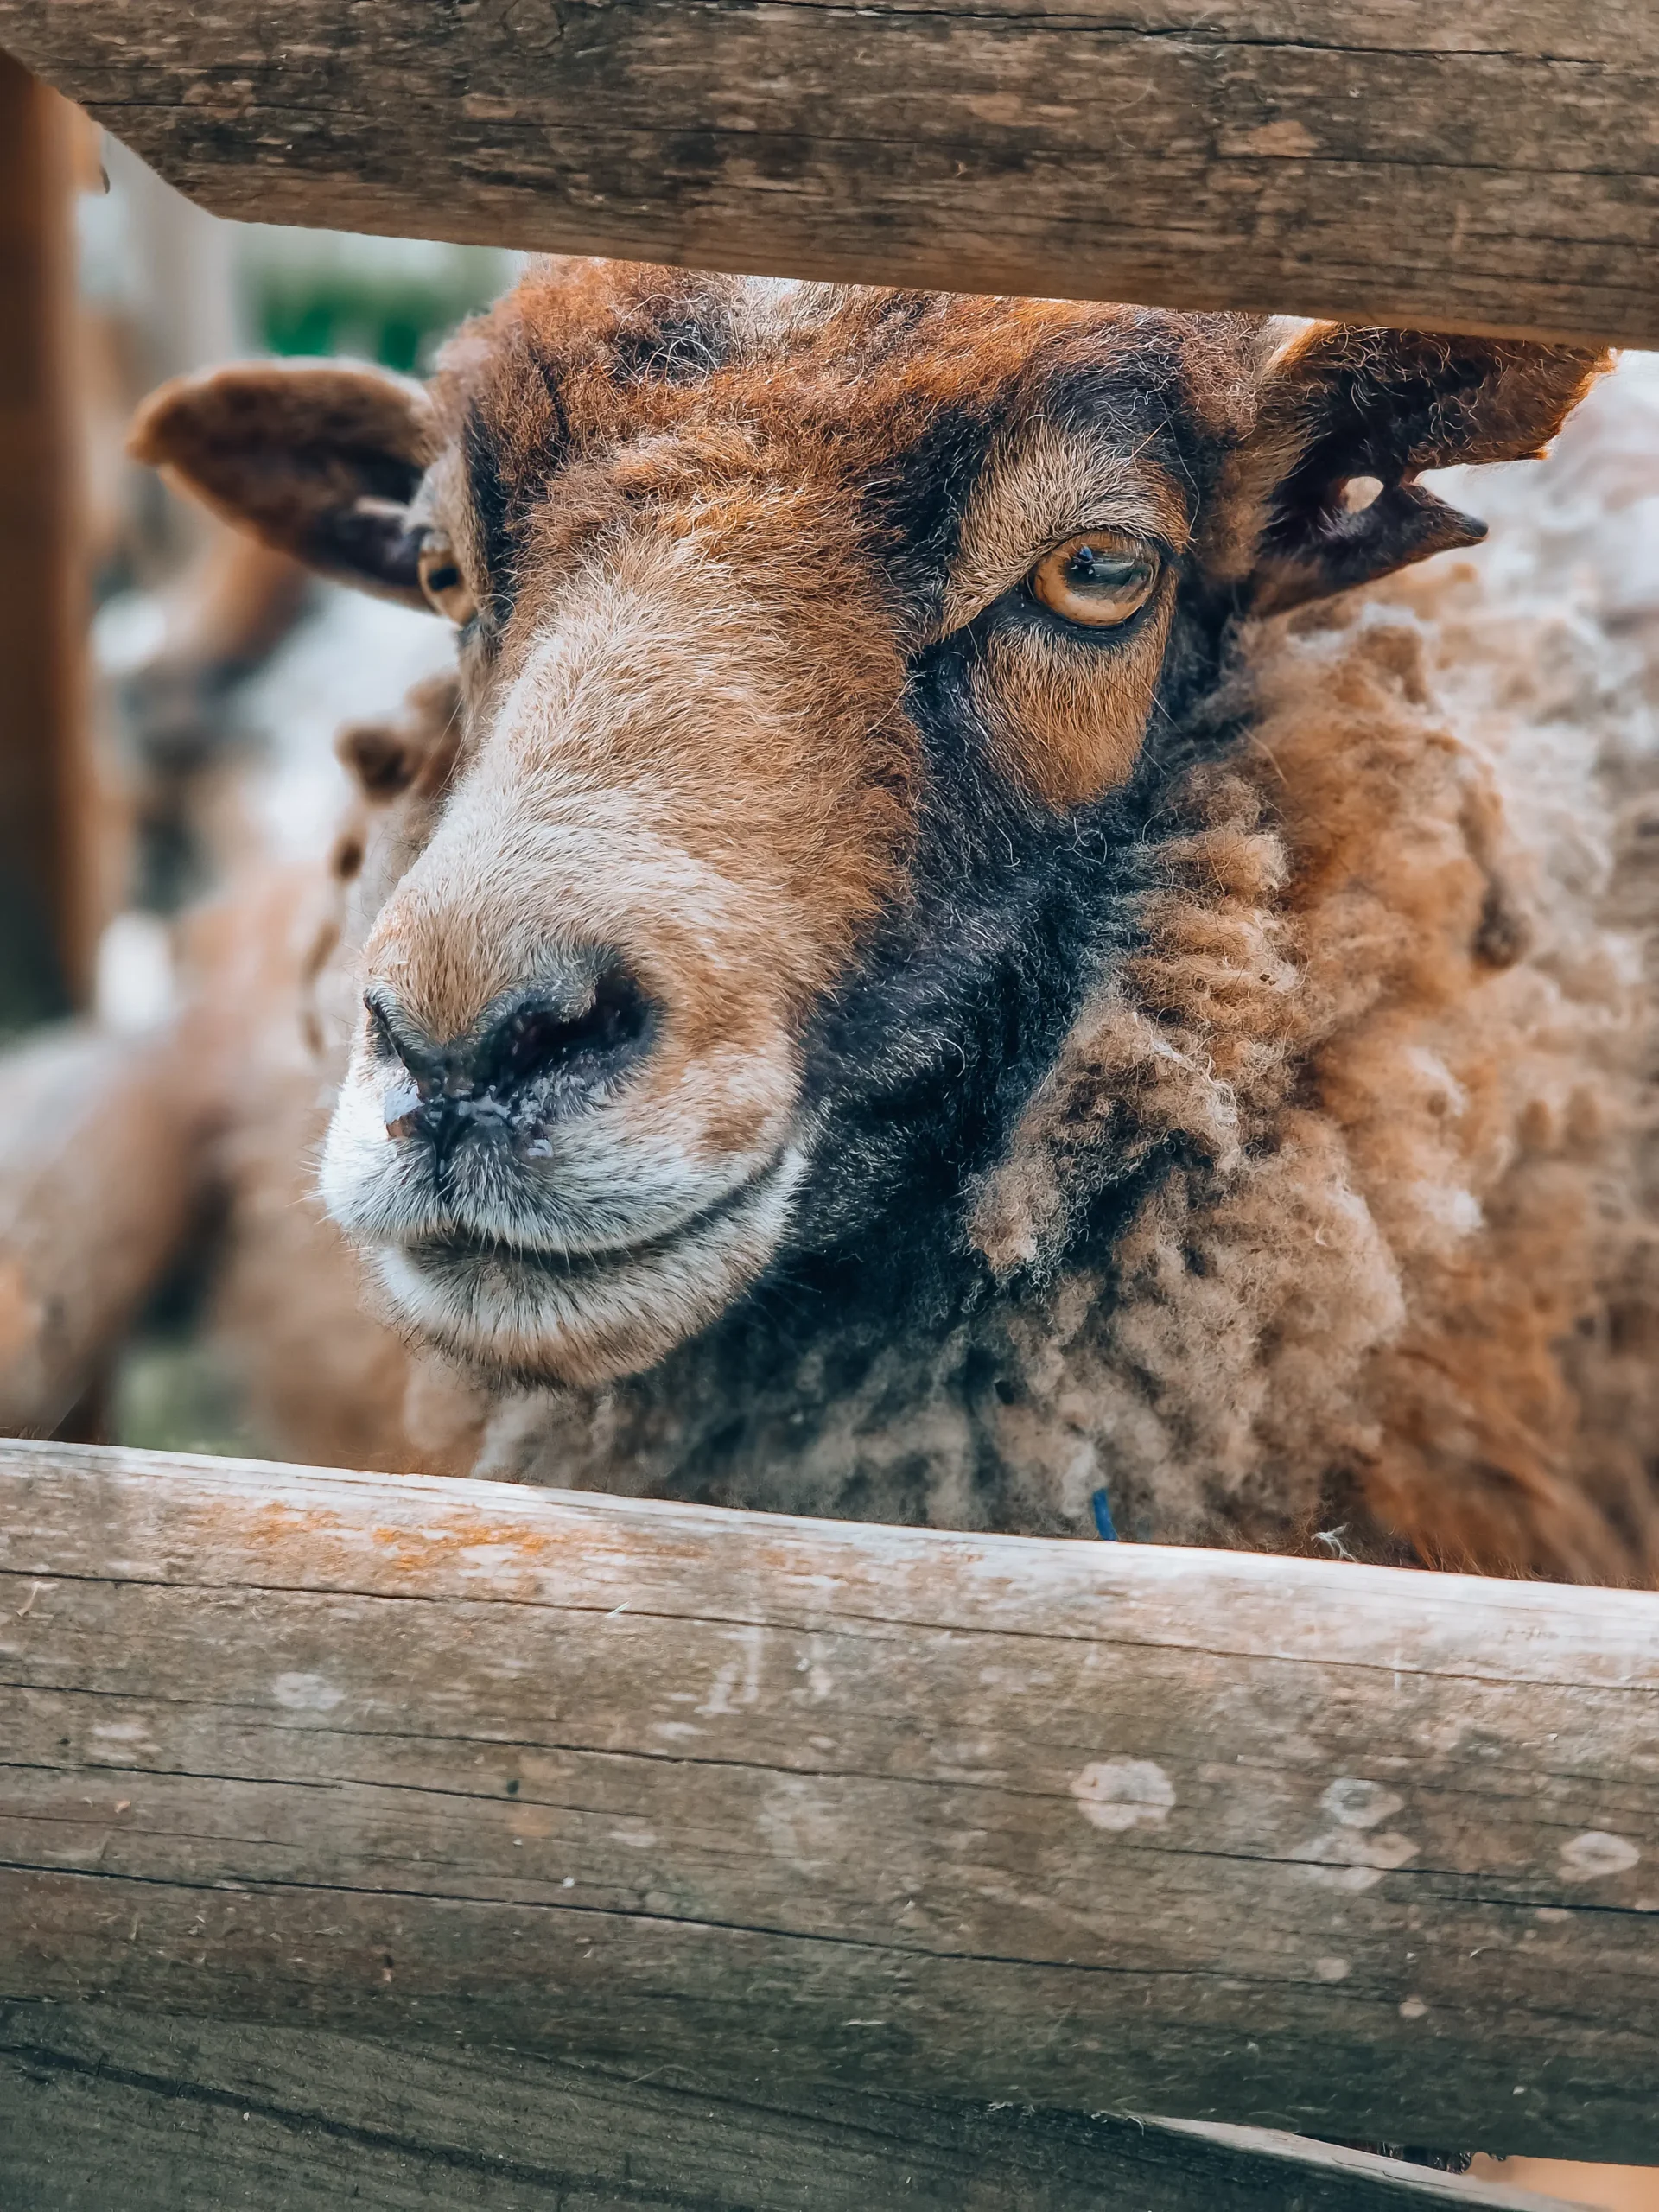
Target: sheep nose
[(553, 1052)]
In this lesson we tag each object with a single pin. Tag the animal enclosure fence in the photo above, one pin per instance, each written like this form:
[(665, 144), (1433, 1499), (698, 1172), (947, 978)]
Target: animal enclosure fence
[(453, 1843)]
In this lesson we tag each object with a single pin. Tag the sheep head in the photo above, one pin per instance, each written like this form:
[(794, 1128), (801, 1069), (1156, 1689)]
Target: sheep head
[(822, 655)]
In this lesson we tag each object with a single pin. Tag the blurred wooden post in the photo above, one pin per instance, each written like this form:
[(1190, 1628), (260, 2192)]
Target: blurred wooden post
[(45, 907)]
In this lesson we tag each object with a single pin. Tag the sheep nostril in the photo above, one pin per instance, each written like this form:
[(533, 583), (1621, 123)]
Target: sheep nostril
[(555, 1052), (586, 1043), (391, 1037)]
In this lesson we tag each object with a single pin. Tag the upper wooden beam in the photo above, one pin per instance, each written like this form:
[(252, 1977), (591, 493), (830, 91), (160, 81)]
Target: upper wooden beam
[(1490, 166), (1366, 1853)]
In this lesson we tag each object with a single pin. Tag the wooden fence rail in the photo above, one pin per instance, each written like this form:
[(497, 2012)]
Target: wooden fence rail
[(1358, 1853), (1488, 166)]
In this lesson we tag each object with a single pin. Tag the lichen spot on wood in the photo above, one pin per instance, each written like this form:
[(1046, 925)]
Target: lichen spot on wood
[(1119, 1794), (1593, 1856), (1353, 1802), (1349, 1855)]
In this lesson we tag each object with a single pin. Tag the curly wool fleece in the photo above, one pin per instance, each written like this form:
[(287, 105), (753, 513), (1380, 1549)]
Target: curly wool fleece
[(1403, 1277)]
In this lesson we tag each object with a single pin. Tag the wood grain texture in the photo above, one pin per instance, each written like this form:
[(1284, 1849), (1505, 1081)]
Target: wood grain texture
[(101, 1162), (1487, 167), (162, 2115), (1363, 1853)]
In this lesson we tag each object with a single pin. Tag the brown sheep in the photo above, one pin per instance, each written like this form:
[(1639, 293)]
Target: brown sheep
[(952, 965)]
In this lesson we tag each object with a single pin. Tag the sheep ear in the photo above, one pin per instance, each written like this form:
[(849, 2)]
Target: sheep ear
[(414, 748), (1340, 403), (314, 458)]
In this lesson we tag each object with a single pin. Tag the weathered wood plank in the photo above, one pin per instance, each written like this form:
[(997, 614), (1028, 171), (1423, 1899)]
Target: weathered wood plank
[(45, 906), (101, 1166), (1363, 1853), (1490, 167), (159, 2115)]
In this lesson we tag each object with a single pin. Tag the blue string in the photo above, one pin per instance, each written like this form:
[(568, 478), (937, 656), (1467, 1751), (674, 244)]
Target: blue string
[(1104, 1516)]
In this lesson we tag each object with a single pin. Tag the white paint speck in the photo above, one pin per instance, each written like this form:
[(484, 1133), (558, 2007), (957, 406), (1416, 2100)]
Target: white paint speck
[(1118, 1793), (1355, 1803), (306, 1693), (1332, 1969), (1412, 2008), (1594, 1854)]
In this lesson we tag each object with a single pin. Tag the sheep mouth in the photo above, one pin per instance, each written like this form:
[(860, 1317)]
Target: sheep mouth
[(463, 1248), (536, 1317)]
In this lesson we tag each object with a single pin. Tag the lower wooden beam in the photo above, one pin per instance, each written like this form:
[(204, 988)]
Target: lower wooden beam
[(99, 2108), (1364, 1854)]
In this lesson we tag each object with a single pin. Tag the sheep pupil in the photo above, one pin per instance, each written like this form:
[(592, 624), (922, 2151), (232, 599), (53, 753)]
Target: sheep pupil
[(1108, 571)]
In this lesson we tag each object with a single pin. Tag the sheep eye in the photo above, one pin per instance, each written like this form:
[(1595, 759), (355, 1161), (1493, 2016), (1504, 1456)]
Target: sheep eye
[(445, 587), (1100, 580)]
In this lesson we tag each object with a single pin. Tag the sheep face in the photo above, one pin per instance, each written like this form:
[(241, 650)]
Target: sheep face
[(823, 655)]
